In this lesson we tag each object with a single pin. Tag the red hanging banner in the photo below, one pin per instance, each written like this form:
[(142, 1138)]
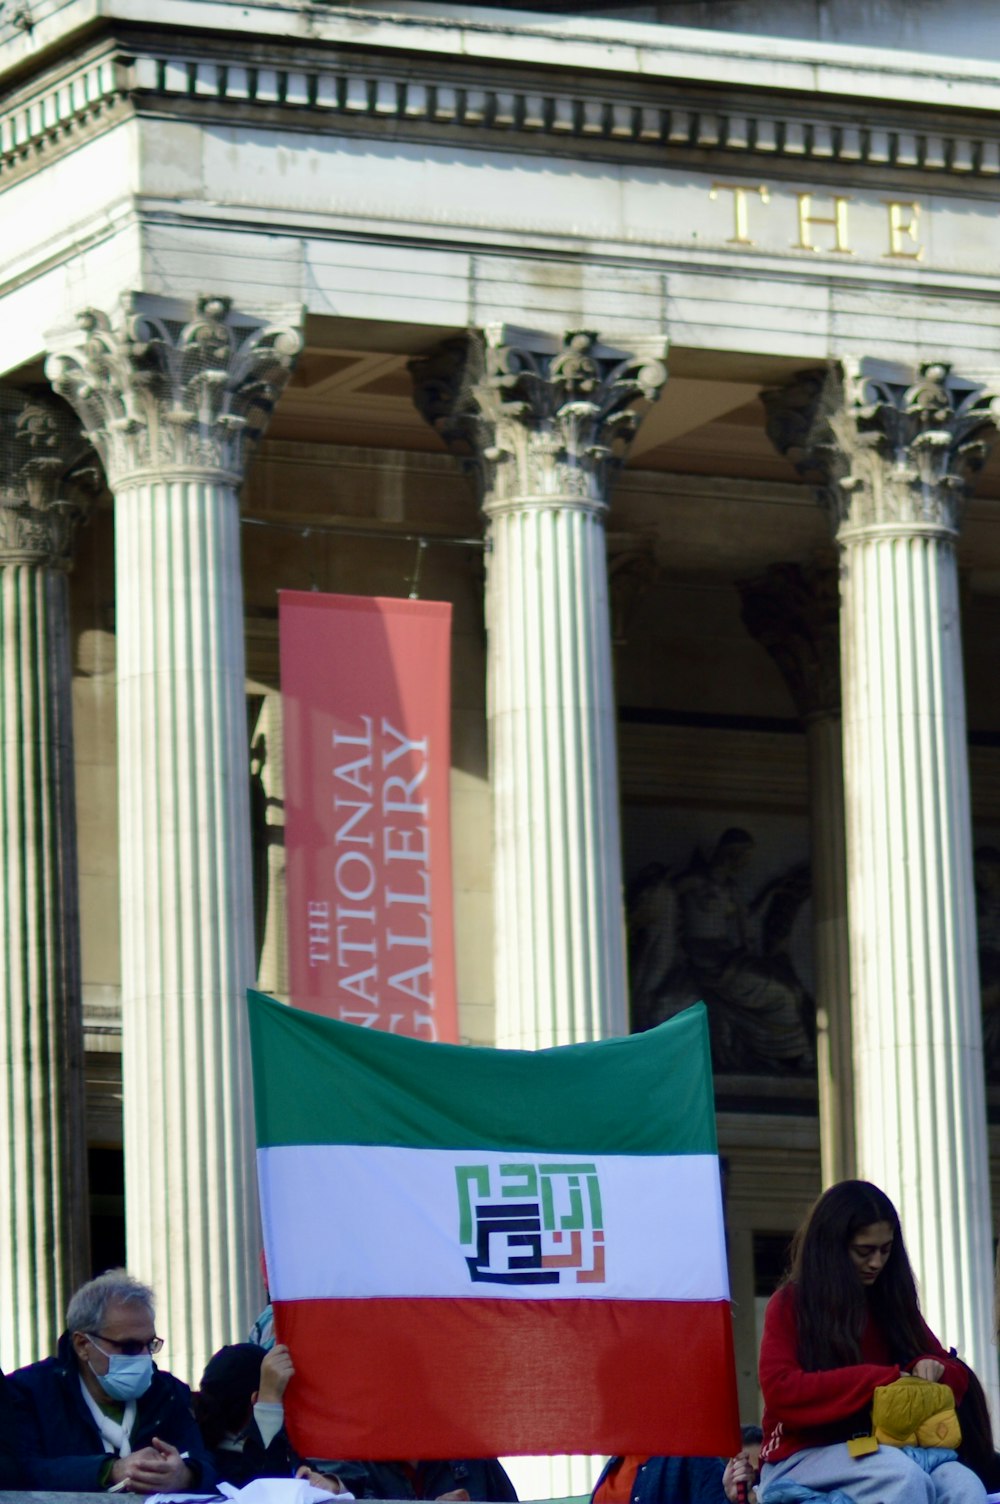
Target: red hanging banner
[(365, 686)]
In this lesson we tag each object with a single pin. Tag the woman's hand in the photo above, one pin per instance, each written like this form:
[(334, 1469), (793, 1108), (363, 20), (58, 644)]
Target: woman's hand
[(928, 1368)]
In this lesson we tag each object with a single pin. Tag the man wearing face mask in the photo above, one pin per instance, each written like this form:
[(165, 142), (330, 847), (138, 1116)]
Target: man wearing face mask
[(100, 1414)]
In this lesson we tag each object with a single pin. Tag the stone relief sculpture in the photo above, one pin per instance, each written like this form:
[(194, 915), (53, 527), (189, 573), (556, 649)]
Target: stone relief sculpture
[(693, 936)]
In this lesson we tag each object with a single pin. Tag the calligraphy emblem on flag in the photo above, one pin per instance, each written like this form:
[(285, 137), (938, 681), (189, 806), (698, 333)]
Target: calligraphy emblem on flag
[(540, 1225), (476, 1252)]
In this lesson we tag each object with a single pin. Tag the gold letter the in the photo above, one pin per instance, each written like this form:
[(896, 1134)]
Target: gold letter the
[(900, 227), (837, 221), (741, 235)]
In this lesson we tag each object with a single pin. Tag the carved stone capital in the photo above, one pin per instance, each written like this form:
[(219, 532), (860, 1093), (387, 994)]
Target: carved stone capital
[(539, 419), (794, 612), (887, 448), (167, 389), (43, 481)]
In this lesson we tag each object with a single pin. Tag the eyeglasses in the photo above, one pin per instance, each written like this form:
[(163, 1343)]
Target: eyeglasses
[(129, 1348)]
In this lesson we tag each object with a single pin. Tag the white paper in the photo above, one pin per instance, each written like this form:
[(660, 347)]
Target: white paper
[(280, 1491)]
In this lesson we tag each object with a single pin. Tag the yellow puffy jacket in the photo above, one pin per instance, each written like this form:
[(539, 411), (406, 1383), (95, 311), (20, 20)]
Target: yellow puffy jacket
[(914, 1412)]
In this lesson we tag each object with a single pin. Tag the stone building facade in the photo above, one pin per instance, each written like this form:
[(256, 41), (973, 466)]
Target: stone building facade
[(668, 354)]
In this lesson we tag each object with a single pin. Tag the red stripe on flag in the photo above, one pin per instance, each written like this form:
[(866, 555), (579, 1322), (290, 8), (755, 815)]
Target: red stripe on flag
[(377, 1379)]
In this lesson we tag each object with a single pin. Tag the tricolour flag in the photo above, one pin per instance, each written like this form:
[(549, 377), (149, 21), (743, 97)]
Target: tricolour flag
[(475, 1252)]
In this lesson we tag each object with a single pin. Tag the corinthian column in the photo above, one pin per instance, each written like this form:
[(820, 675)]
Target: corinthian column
[(547, 422), (43, 1196), (793, 610), (544, 424), (173, 399), (893, 452)]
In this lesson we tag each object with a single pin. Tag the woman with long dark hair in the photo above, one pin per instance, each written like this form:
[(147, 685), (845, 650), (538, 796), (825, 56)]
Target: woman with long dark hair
[(846, 1321)]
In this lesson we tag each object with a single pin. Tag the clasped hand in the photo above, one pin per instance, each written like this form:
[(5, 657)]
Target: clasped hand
[(156, 1469)]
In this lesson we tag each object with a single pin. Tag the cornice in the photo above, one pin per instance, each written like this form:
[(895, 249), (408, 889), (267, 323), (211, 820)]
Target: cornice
[(611, 46), (465, 102), (60, 110)]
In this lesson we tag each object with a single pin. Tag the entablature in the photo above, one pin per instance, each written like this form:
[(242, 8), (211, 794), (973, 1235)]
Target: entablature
[(303, 85)]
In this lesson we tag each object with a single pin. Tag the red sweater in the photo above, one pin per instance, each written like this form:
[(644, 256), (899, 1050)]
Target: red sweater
[(804, 1409)]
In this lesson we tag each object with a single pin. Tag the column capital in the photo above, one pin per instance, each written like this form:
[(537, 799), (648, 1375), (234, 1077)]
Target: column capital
[(889, 448), (168, 388), (43, 481), (793, 610), (541, 419)]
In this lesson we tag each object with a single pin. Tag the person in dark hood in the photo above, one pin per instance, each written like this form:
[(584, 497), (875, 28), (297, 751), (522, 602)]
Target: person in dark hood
[(240, 1412)]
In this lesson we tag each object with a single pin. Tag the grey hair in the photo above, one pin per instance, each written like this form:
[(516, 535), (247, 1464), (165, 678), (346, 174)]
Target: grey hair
[(88, 1307)]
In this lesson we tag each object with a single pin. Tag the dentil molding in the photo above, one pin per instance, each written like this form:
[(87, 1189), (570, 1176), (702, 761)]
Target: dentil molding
[(555, 113)]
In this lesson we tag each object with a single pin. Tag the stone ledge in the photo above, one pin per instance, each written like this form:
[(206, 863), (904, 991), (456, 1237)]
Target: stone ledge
[(57, 1496)]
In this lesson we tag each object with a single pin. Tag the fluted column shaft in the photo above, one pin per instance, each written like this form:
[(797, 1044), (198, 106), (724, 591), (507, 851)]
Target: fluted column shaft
[(187, 933), (559, 957), (43, 1190), (544, 425), (43, 1227), (560, 962), (917, 1030), (892, 452), (172, 402), (547, 423)]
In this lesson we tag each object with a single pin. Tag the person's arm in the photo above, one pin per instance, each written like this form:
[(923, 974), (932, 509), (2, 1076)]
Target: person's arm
[(65, 1474), (803, 1399), (266, 1449), (77, 1475), (939, 1366), (38, 1420)]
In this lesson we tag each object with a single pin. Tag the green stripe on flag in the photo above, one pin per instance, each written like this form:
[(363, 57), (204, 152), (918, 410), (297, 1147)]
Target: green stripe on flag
[(319, 1081)]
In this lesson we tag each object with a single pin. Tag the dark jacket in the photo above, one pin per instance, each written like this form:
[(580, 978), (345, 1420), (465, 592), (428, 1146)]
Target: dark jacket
[(681, 1480), (483, 1478), (277, 1460), (60, 1444), (10, 1467)]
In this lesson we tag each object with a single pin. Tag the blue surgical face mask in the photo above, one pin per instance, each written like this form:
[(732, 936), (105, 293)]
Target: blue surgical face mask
[(127, 1378)]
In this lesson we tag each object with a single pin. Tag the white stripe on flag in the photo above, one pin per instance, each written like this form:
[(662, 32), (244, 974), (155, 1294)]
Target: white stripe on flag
[(352, 1221)]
